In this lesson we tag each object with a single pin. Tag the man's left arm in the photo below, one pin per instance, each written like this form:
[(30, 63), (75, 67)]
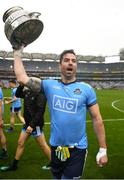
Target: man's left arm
[(11, 100), (99, 129)]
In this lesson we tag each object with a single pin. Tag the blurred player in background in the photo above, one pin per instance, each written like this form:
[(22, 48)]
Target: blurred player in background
[(3, 142), (34, 109), (15, 108)]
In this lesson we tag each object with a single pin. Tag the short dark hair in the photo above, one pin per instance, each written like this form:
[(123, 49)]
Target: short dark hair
[(71, 51), (12, 81)]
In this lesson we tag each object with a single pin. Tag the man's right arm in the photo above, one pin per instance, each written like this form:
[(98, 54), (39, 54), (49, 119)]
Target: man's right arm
[(20, 72), (21, 75)]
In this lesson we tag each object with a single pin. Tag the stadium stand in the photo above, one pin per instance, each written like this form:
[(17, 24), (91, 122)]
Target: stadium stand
[(91, 69)]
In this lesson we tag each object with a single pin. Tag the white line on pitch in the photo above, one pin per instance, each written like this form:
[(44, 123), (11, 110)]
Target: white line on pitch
[(113, 105), (88, 121)]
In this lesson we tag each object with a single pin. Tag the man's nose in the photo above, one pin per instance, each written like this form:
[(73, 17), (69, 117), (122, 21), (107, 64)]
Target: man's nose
[(70, 62)]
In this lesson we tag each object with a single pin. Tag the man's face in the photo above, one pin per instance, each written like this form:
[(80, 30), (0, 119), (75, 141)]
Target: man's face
[(11, 84), (68, 66)]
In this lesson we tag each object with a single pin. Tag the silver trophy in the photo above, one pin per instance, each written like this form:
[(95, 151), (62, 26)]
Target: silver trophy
[(22, 27)]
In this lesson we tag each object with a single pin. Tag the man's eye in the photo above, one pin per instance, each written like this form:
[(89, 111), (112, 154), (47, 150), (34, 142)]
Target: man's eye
[(74, 60), (65, 60)]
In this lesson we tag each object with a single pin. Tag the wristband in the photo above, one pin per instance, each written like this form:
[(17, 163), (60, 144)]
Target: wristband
[(102, 152)]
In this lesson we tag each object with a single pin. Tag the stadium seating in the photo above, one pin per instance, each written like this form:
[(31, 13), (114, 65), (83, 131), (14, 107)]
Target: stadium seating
[(98, 73)]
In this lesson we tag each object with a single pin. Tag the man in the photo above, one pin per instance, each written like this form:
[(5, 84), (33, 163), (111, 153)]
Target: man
[(34, 109), (15, 108), (68, 101), (3, 142)]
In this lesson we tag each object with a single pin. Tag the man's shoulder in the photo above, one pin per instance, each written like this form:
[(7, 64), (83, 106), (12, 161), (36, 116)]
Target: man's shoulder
[(84, 85), (50, 81)]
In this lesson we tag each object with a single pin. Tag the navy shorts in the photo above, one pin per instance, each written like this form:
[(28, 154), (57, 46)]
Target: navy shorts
[(16, 109), (72, 167)]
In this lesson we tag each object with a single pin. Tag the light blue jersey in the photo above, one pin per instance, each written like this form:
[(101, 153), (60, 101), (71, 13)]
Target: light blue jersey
[(68, 106), (1, 99), (17, 103), (1, 94)]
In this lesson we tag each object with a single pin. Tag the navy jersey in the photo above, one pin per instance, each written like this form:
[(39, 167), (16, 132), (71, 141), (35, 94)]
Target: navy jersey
[(68, 106), (34, 107)]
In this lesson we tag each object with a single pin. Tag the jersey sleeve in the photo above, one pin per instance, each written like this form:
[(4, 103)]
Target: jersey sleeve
[(91, 97)]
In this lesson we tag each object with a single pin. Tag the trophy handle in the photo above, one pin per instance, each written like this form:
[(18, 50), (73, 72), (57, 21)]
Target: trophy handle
[(34, 14)]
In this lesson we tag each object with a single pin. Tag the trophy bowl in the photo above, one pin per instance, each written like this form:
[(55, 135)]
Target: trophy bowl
[(22, 27)]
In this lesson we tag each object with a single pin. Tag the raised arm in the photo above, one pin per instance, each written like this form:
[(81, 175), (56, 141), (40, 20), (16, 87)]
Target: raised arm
[(21, 75), (20, 72)]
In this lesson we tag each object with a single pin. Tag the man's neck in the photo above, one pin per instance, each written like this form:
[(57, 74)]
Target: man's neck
[(68, 80)]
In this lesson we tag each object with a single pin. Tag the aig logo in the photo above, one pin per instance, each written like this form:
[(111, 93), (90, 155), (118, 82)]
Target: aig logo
[(65, 104)]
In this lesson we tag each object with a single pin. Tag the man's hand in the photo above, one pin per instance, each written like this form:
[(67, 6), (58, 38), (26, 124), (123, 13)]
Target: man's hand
[(16, 43), (29, 129), (1, 123), (6, 102), (101, 157), (16, 46), (18, 52)]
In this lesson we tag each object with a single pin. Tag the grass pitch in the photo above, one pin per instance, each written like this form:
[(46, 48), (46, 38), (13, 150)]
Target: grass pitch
[(111, 104)]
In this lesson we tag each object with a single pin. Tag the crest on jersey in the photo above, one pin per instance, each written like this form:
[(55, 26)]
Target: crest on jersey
[(77, 91)]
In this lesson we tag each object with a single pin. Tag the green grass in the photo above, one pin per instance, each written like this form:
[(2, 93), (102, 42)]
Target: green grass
[(32, 159)]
